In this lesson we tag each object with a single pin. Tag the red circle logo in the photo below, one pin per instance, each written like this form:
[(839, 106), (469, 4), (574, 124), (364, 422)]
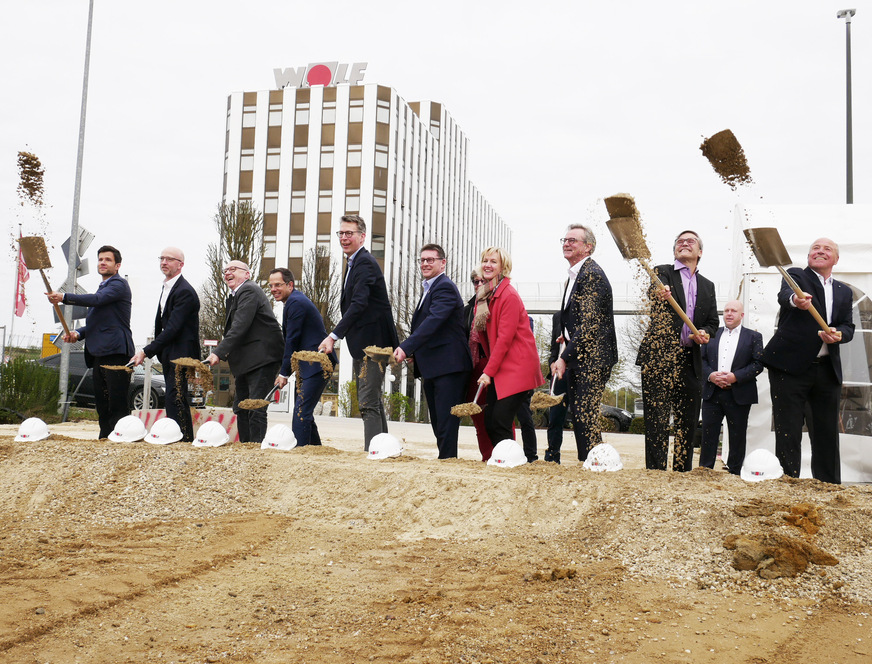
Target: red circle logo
[(319, 75)]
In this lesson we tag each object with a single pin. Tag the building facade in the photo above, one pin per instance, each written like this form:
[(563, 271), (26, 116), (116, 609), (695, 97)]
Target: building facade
[(305, 156)]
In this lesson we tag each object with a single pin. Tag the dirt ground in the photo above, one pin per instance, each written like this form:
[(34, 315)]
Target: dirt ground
[(137, 553)]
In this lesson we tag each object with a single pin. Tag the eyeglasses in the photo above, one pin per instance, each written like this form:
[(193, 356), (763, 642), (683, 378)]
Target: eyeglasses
[(342, 234), (685, 240), (429, 261), (568, 240), (168, 259), (478, 282), (232, 269)]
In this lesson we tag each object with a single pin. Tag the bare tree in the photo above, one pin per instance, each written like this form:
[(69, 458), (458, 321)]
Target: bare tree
[(320, 281), (240, 237)]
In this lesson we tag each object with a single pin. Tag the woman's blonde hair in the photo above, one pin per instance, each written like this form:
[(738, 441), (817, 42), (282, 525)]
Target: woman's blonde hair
[(505, 259)]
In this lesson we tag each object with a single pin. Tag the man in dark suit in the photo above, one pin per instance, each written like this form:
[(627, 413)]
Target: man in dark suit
[(176, 334), (439, 347), (730, 363), (303, 328), (670, 355), (805, 366), (556, 414), (252, 345), (588, 332), (108, 340), (367, 320)]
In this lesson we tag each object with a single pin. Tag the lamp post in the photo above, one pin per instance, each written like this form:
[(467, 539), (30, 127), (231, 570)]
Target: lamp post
[(849, 150)]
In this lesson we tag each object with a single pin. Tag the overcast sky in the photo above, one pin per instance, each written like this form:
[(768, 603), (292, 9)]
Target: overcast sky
[(563, 103)]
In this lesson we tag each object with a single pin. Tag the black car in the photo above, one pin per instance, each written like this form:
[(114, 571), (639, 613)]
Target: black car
[(81, 390), (619, 417)]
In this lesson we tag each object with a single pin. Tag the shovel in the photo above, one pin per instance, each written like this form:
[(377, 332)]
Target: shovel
[(471, 408), (770, 251), (626, 231), (541, 401), (36, 257)]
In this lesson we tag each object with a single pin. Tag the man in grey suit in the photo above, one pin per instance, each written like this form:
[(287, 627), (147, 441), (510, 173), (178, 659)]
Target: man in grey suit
[(730, 364), (252, 345)]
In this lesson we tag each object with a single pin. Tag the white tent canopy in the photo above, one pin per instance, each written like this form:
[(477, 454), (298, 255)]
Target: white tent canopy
[(850, 226)]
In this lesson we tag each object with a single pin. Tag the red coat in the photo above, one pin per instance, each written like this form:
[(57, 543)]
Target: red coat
[(512, 356)]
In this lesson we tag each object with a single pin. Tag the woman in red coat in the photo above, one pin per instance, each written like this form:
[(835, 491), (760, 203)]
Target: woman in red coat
[(501, 331)]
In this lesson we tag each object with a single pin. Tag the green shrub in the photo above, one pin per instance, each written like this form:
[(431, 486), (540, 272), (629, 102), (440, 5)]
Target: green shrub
[(399, 407), (348, 406), (28, 389), (637, 425)]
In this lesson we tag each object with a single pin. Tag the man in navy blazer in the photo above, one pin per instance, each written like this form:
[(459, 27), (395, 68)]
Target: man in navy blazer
[(805, 366), (176, 334), (108, 340), (303, 328), (367, 320), (439, 348), (252, 346), (670, 355), (730, 364)]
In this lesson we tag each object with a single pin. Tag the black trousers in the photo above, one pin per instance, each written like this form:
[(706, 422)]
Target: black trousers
[(556, 420), (671, 388), (176, 399), (254, 384), (443, 393), (528, 428), (714, 410), (586, 385), (110, 391), (499, 415), (819, 387)]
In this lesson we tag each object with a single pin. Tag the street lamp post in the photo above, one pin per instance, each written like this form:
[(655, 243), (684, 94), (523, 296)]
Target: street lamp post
[(849, 150)]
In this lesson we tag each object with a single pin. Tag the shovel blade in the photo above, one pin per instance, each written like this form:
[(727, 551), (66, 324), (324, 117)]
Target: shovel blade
[(627, 234), (767, 246), (34, 252)]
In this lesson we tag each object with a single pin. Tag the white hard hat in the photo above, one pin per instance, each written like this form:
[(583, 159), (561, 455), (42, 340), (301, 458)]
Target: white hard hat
[(32, 429), (384, 446), (165, 431), (128, 429), (603, 457), (211, 434), (507, 454), (761, 465), (280, 437)]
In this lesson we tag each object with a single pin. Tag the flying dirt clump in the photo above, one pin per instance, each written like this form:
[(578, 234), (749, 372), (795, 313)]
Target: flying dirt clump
[(30, 175), (727, 157)]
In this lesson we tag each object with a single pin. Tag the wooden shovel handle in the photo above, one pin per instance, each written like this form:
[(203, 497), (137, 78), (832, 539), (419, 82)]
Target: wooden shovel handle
[(796, 289), (54, 304), (670, 299)]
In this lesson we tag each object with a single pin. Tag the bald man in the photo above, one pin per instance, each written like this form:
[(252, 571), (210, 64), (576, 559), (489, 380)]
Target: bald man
[(176, 334), (805, 365), (731, 362), (253, 346)]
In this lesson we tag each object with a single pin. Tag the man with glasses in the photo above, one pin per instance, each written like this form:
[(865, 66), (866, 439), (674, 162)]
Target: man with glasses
[(439, 347), (176, 334), (252, 345), (367, 320), (589, 346), (108, 340), (670, 355)]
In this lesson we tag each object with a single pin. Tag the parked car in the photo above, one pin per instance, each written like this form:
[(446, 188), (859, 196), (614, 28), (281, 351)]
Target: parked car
[(619, 417), (81, 390)]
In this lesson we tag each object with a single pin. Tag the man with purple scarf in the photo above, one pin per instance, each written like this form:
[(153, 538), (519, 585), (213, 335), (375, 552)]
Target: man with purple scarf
[(670, 355)]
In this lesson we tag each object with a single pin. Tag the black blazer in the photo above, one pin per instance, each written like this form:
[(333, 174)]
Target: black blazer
[(747, 364), (590, 319), (796, 342), (177, 327), (367, 319), (438, 341), (252, 335), (662, 339)]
